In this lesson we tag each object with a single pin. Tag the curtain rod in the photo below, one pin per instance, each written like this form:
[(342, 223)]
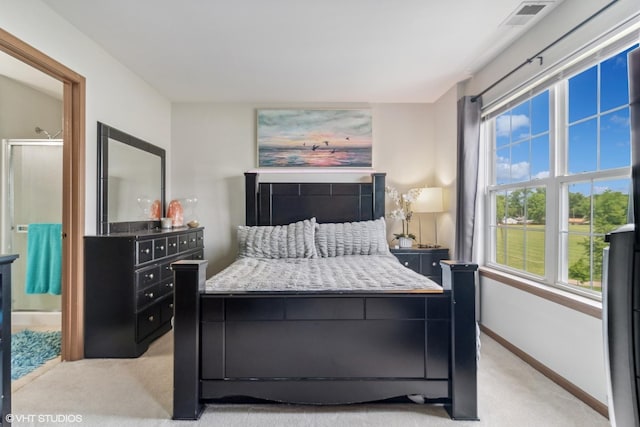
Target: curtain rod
[(547, 47)]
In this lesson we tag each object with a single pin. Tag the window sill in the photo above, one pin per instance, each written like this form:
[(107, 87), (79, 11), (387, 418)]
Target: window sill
[(566, 299)]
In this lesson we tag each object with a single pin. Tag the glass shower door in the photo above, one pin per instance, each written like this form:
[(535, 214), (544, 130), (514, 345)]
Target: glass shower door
[(34, 190)]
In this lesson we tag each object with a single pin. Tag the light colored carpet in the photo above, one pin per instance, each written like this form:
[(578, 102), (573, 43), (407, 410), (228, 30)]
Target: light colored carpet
[(138, 392)]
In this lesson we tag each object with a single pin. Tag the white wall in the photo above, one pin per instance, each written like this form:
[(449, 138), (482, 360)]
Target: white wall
[(214, 144), (114, 94), (567, 341)]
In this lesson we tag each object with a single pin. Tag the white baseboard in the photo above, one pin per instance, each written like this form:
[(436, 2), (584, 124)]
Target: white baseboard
[(20, 319)]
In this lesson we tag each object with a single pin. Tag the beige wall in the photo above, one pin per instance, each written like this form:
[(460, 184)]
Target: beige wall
[(214, 144), (23, 108), (446, 155)]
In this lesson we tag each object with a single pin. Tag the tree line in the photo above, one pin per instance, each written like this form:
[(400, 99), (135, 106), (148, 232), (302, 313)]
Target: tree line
[(609, 212)]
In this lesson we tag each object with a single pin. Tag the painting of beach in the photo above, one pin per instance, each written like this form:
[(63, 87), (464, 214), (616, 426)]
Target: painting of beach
[(314, 138)]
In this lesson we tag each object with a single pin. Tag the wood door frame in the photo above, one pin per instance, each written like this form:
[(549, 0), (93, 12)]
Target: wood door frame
[(73, 188)]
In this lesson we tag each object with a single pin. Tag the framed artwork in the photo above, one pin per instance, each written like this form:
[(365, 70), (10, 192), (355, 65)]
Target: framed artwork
[(314, 138)]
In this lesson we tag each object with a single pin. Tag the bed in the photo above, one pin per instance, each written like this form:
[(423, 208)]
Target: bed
[(331, 316)]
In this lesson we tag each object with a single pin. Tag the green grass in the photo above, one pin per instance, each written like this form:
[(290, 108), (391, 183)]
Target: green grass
[(522, 247)]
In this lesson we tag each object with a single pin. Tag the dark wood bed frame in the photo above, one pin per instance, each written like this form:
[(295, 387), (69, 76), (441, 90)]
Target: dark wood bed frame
[(323, 347)]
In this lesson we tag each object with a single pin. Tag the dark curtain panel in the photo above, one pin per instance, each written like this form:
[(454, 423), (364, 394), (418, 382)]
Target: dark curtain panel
[(467, 182)]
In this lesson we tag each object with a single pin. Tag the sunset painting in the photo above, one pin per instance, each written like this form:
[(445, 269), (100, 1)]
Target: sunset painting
[(314, 138)]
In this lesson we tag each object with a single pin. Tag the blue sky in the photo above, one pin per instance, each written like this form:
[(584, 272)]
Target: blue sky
[(597, 129)]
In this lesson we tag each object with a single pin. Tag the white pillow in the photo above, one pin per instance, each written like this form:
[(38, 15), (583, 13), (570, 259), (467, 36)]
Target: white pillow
[(352, 238), (278, 241)]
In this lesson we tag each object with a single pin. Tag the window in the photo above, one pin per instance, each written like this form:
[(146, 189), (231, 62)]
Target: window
[(560, 177)]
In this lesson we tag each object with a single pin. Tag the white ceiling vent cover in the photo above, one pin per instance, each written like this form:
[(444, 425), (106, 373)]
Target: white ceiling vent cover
[(527, 11)]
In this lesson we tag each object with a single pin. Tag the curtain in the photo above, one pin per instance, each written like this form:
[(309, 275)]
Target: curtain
[(467, 180)]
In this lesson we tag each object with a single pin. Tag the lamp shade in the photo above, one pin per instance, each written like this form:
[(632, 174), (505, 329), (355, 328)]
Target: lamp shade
[(429, 200)]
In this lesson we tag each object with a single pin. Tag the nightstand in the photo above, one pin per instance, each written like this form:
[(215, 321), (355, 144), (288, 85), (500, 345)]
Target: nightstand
[(425, 261)]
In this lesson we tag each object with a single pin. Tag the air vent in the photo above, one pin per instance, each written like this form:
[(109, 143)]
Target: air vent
[(526, 12)]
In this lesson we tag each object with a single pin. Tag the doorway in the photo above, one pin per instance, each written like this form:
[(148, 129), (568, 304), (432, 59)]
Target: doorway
[(73, 188)]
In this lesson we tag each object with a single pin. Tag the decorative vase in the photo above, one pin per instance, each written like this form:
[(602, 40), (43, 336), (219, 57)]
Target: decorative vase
[(405, 242)]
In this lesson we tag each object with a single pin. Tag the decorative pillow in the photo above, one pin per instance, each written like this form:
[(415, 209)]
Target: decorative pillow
[(352, 238), (278, 241)]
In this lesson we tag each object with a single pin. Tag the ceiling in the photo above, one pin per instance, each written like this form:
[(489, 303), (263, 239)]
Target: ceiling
[(284, 51)]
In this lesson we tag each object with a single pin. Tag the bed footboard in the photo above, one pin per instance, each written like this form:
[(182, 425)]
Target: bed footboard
[(324, 348)]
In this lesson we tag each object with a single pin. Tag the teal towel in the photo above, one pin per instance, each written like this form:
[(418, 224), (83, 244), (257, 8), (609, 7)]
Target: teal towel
[(44, 259)]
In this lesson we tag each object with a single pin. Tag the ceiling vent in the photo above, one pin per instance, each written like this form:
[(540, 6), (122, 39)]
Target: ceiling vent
[(527, 11)]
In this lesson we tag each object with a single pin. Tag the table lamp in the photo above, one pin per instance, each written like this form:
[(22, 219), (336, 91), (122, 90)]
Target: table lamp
[(429, 200)]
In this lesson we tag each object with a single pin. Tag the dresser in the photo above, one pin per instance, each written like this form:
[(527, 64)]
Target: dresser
[(129, 287), (425, 261)]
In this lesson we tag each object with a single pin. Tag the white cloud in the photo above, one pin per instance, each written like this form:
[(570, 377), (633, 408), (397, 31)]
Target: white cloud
[(514, 172), (520, 171), (541, 175), (617, 119), (503, 126)]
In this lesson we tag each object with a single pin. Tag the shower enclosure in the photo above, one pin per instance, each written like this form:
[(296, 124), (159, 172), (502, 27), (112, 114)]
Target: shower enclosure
[(30, 192)]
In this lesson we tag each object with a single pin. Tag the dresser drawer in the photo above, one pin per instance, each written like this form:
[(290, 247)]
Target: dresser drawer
[(193, 240), (148, 321), (165, 269), (147, 276), (183, 242), (166, 309), (148, 296), (411, 261), (144, 251), (165, 287), (159, 248), (172, 245), (430, 264), (200, 239)]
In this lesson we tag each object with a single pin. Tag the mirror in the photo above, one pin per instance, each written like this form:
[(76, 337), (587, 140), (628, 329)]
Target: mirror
[(131, 177)]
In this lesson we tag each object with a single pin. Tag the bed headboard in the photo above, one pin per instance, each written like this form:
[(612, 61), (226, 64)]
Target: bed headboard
[(277, 203)]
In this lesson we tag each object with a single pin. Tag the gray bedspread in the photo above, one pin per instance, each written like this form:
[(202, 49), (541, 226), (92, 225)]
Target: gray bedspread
[(353, 273)]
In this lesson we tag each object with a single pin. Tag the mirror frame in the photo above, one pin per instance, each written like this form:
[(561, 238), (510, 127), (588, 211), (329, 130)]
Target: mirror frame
[(105, 132)]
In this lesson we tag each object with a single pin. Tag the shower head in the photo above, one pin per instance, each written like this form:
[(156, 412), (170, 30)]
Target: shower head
[(39, 130)]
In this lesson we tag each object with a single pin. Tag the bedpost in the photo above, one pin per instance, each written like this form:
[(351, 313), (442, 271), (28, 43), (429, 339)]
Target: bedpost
[(189, 277), (459, 278), (378, 194), (251, 198)]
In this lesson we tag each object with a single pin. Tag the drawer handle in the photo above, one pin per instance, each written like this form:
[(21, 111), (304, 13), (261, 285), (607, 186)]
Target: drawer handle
[(151, 318), (434, 263), (145, 251), (174, 244), (193, 240), (160, 247), (200, 238), (406, 263), (149, 295), (171, 305), (149, 276), (184, 242), (170, 285), (167, 267)]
